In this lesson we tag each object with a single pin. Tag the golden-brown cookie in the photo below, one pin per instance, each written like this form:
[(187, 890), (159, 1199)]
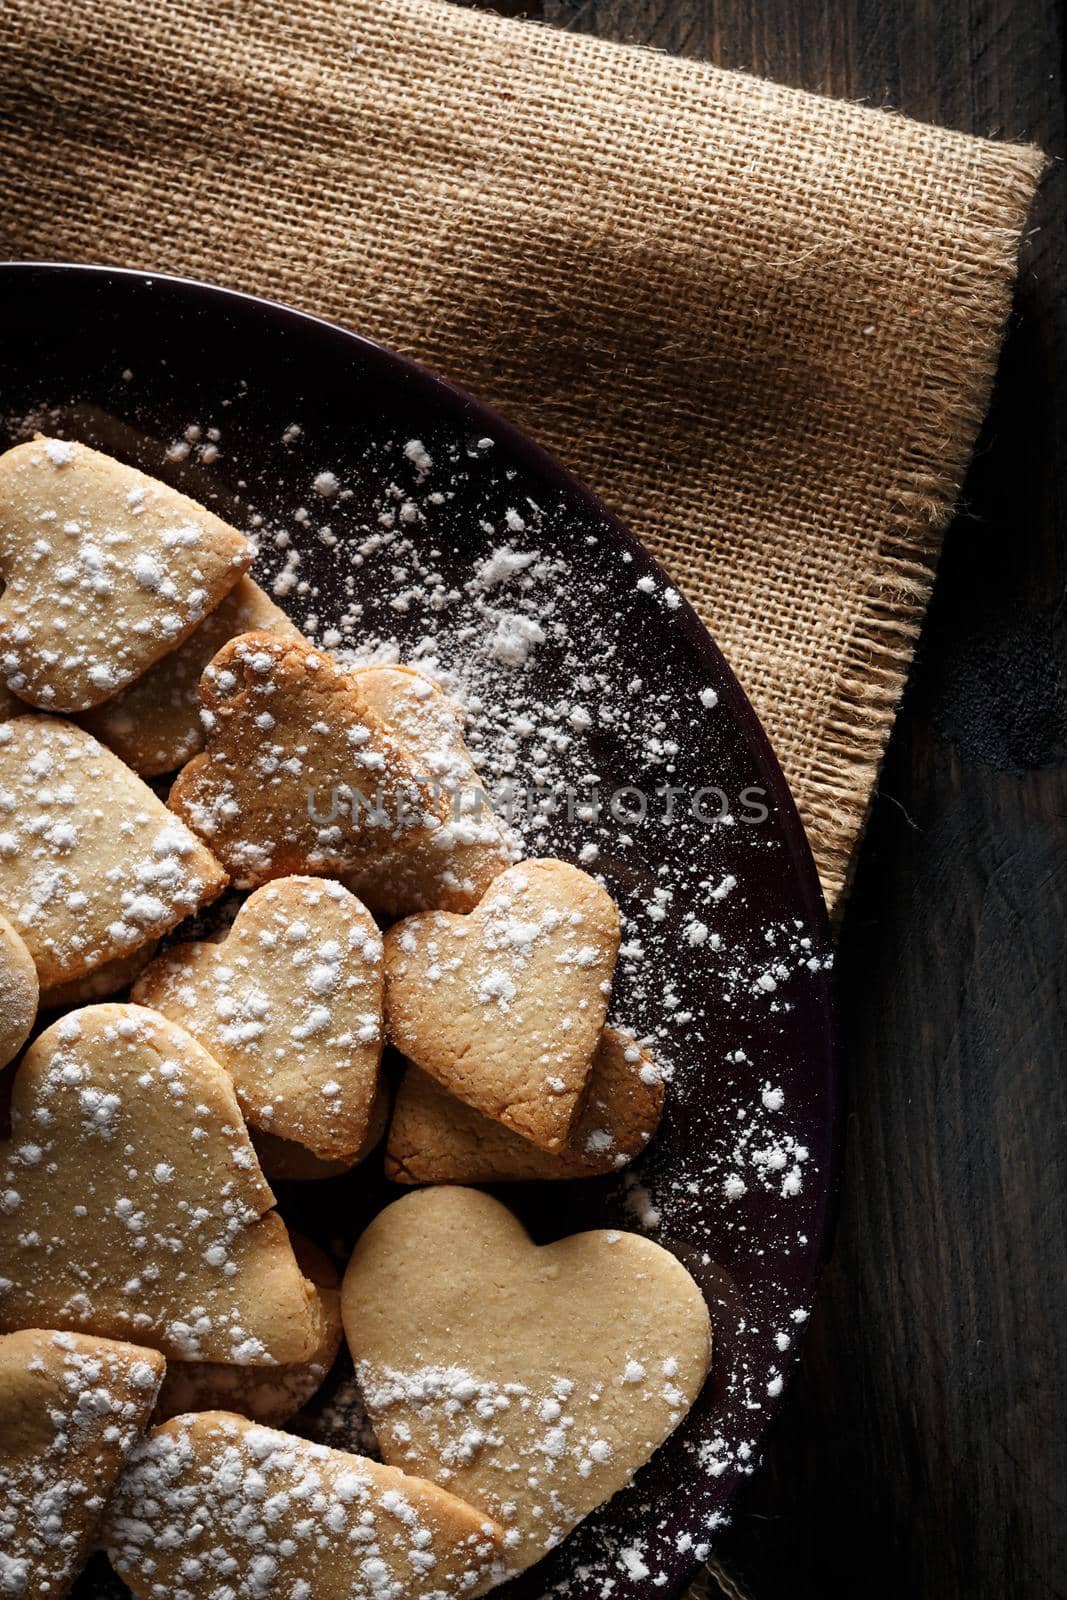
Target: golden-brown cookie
[(505, 1006), (298, 774), (71, 1410), (532, 1381), (132, 1202), (290, 1003), (92, 865), (154, 725), (105, 570), (451, 868), (285, 1162), (271, 1395), (19, 994), (435, 1138), (214, 1500)]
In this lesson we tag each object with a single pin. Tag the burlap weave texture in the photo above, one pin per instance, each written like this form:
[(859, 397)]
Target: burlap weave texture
[(762, 325)]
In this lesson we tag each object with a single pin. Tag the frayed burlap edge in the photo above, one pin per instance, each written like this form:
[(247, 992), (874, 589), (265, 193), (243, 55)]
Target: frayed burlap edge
[(878, 657)]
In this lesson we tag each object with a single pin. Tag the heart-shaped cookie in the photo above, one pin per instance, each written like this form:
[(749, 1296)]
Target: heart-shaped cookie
[(105, 571), (284, 1161), (71, 1410), (214, 1507), (131, 1202), (154, 725), (435, 1138), (505, 1006), (19, 993), (533, 1381), (290, 1003), (298, 773), (92, 865), (451, 868), (271, 1395)]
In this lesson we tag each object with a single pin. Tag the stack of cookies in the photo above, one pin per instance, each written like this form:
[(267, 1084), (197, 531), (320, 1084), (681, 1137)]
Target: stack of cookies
[(160, 1327)]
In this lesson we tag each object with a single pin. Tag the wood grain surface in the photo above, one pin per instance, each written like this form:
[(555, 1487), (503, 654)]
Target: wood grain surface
[(923, 1453)]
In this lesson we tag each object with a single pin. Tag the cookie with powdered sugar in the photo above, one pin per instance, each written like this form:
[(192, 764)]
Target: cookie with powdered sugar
[(505, 1006), (105, 571), (333, 1526), (92, 865), (532, 1380), (298, 774), (132, 1205), (72, 1408), (289, 1001)]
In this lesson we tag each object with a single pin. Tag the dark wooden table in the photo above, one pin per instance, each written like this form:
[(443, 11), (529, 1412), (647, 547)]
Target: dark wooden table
[(923, 1453)]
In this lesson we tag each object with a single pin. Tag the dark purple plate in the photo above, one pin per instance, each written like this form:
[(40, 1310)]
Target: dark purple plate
[(588, 680)]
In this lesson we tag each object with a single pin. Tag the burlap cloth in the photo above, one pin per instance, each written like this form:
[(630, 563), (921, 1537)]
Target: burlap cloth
[(761, 324)]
